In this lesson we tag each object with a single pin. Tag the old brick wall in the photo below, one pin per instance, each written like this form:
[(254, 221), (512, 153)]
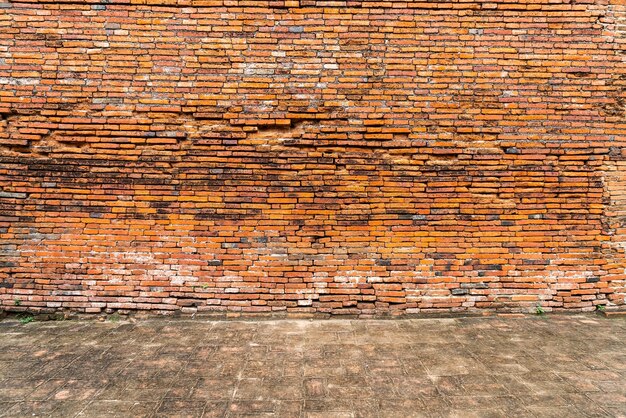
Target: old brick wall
[(359, 157)]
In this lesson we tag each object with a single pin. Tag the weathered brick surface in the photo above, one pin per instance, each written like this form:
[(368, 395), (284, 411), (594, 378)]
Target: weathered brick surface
[(306, 156)]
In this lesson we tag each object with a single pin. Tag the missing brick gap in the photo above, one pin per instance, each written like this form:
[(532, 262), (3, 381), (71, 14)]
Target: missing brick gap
[(293, 124), (510, 149), (7, 115), (276, 137)]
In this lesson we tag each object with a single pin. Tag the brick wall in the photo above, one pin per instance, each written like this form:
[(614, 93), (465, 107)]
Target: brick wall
[(345, 157)]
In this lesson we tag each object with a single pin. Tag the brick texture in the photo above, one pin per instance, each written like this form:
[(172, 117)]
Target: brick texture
[(343, 157)]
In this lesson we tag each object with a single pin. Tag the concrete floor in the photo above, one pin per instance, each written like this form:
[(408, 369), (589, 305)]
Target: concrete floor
[(562, 366)]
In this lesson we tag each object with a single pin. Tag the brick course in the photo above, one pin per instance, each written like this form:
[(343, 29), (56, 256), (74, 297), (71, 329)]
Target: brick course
[(344, 157)]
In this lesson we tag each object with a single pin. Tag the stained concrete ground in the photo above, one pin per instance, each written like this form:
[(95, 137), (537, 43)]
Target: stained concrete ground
[(561, 366)]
